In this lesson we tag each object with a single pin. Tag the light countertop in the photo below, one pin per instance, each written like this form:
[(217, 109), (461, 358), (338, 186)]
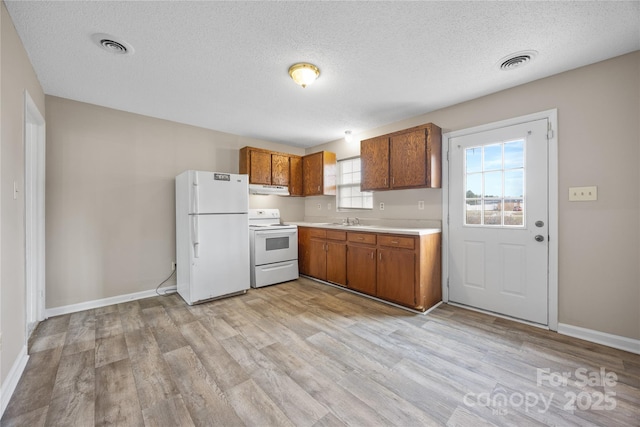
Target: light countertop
[(412, 231)]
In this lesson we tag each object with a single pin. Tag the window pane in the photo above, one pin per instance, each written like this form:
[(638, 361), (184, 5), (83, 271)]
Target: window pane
[(514, 183), (347, 167), (493, 184), (356, 165), (492, 157), (492, 212), (347, 178), (473, 214), (514, 154), (474, 185), (513, 212), (474, 159)]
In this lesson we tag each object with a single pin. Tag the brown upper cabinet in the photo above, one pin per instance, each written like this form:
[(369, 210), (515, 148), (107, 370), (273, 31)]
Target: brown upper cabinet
[(409, 158), (295, 175), (280, 174), (271, 168), (319, 174)]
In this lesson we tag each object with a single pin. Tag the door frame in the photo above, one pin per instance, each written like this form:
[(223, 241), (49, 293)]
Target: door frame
[(552, 117), (34, 213)]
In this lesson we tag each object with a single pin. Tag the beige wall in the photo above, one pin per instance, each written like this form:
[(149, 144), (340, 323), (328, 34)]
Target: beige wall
[(110, 196), (16, 75), (599, 144)]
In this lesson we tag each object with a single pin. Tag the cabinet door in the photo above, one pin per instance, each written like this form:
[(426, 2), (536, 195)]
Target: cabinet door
[(279, 169), (361, 269), (304, 257), (317, 259), (374, 156), (312, 174), (295, 176), (396, 276), (337, 263), (260, 168), (409, 159)]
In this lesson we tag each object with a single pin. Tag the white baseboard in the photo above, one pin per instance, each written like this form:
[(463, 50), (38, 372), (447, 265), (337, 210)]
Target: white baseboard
[(88, 305), (10, 383), (610, 340)]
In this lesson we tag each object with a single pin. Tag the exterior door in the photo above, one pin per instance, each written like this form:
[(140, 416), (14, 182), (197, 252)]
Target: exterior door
[(498, 221)]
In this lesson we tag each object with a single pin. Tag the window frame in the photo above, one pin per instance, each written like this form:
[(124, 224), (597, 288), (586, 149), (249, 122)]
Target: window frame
[(340, 185)]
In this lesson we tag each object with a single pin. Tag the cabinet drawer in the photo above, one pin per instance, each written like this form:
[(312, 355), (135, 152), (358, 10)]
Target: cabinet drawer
[(318, 232), (336, 235), (397, 242), (367, 238)]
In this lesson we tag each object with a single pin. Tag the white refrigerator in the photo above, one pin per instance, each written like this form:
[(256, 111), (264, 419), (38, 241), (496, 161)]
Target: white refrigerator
[(212, 235)]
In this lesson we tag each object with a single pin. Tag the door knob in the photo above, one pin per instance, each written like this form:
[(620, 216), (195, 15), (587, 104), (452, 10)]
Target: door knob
[(539, 238), (539, 223)]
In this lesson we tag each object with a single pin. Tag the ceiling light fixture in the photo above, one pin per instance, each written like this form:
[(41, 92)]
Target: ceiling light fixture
[(303, 73), (348, 136)]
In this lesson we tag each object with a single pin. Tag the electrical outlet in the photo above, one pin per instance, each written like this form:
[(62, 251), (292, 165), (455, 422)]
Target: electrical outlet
[(173, 266), (328, 206), (583, 194), (421, 205), (319, 206), (381, 206)]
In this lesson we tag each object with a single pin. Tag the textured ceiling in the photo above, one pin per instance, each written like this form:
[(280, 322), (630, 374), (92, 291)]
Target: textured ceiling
[(223, 65)]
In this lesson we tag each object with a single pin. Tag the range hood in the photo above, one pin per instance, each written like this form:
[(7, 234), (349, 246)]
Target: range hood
[(278, 190)]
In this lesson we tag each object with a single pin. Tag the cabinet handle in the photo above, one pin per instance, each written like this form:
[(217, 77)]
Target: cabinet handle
[(395, 242), (393, 180), (360, 238), (318, 188), (385, 181), (380, 256), (371, 255)]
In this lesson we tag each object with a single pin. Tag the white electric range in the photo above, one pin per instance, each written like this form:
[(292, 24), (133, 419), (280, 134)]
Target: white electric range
[(274, 248)]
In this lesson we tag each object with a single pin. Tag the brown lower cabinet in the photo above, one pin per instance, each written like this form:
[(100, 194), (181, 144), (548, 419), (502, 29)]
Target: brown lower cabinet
[(402, 269), (323, 254)]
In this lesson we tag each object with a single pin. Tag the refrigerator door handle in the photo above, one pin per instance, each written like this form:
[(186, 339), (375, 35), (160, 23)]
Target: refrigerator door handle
[(196, 193), (194, 236)]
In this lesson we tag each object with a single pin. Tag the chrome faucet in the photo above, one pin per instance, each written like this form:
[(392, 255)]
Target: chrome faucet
[(348, 221)]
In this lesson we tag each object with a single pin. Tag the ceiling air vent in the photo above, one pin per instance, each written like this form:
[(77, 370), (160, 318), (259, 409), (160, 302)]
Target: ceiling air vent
[(516, 60), (112, 45)]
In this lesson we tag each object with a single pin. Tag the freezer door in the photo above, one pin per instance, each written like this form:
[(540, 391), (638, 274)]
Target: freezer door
[(219, 256), (215, 192)]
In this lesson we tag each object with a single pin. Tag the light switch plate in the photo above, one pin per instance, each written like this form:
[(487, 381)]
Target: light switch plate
[(381, 206), (583, 194)]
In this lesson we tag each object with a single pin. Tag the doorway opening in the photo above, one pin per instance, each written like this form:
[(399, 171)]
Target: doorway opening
[(34, 199)]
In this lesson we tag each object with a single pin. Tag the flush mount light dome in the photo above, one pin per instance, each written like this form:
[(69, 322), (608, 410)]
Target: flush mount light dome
[(348, 136), (517, 60), (112, 44), (303, 73)]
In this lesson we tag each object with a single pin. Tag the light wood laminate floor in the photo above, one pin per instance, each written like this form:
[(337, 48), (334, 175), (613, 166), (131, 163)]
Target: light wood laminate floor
[(307, 354)]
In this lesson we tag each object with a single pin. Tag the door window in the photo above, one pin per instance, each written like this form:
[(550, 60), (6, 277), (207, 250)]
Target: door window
[(494, 184)]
